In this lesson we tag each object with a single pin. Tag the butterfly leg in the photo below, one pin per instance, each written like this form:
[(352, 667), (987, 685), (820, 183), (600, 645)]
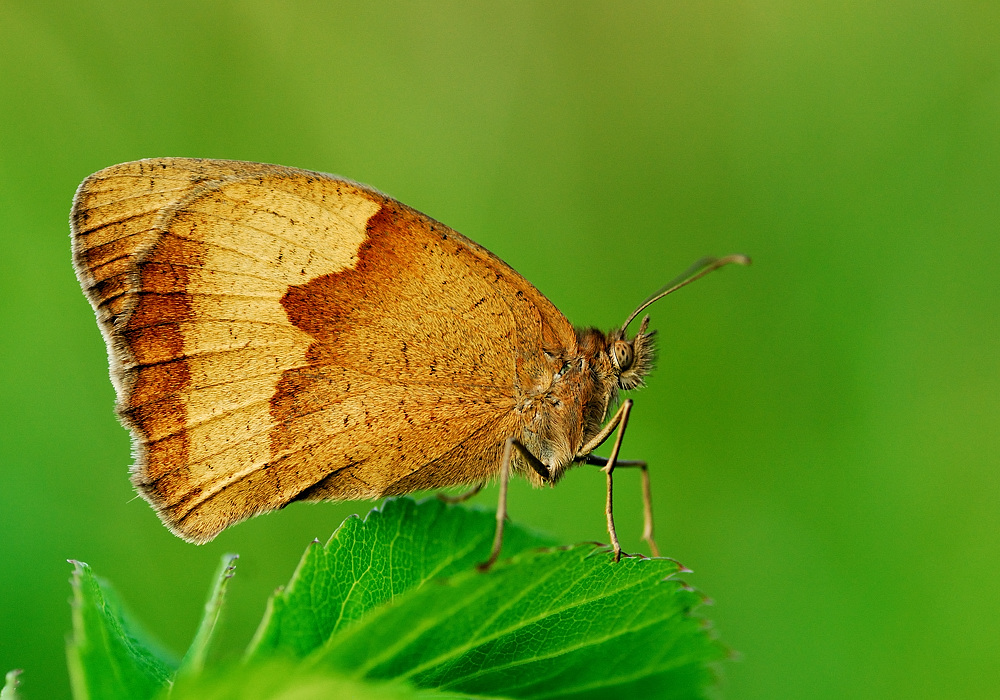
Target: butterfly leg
[(508, 452), (647, 496), (619, 421), (462, 497)]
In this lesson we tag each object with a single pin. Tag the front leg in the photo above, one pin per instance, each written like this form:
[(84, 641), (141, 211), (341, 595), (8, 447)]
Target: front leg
[(647, 496), (620, 421)]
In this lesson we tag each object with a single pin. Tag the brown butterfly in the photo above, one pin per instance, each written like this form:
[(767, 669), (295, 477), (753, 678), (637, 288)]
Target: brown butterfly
[(279, 335)]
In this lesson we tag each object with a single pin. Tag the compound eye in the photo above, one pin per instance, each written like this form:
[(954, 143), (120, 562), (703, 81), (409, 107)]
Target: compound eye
[(622, 355)]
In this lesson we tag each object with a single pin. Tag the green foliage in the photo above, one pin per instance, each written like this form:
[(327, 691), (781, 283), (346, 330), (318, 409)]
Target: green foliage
[(396, 548), (194, 660), (282, 679), (108, 655), (392, 607), (564, 622)]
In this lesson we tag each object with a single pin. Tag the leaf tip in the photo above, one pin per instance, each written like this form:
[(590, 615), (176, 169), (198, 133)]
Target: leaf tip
[(12, 682), (80, 571), (352, 520), (681, 569), (13, 678)]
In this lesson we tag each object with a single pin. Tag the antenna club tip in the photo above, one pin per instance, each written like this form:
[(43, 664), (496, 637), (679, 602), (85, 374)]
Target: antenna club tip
[(738, 259)]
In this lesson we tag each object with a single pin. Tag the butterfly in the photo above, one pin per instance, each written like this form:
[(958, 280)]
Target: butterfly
[(279, 335)]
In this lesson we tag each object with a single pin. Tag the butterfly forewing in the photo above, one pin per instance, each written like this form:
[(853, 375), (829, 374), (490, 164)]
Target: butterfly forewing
[(277, 334)]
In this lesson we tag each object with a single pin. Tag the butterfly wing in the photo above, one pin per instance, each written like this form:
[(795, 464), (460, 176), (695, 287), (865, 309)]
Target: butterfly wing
[(276, 334)]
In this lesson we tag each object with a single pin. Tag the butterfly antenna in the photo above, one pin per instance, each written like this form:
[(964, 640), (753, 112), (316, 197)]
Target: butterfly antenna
[(695, 272)]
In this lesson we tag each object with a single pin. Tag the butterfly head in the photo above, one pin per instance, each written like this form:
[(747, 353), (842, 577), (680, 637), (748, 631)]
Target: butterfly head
[(631, 360)]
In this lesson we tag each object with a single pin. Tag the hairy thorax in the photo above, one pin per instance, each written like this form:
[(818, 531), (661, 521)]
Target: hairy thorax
[(566, 404)]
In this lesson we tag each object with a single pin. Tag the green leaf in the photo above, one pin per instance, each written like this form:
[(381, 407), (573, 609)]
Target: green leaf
[(109, 657), (280, 679), (562, 623), (397, 547), (194, 660), (392, 608)]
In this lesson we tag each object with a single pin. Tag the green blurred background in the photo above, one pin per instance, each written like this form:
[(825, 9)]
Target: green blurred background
[(823, 426)]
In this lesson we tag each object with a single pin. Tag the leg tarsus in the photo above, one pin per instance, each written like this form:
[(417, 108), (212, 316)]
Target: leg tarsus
[(609, 511), (621, 417), (647, 496), (647, 513)]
